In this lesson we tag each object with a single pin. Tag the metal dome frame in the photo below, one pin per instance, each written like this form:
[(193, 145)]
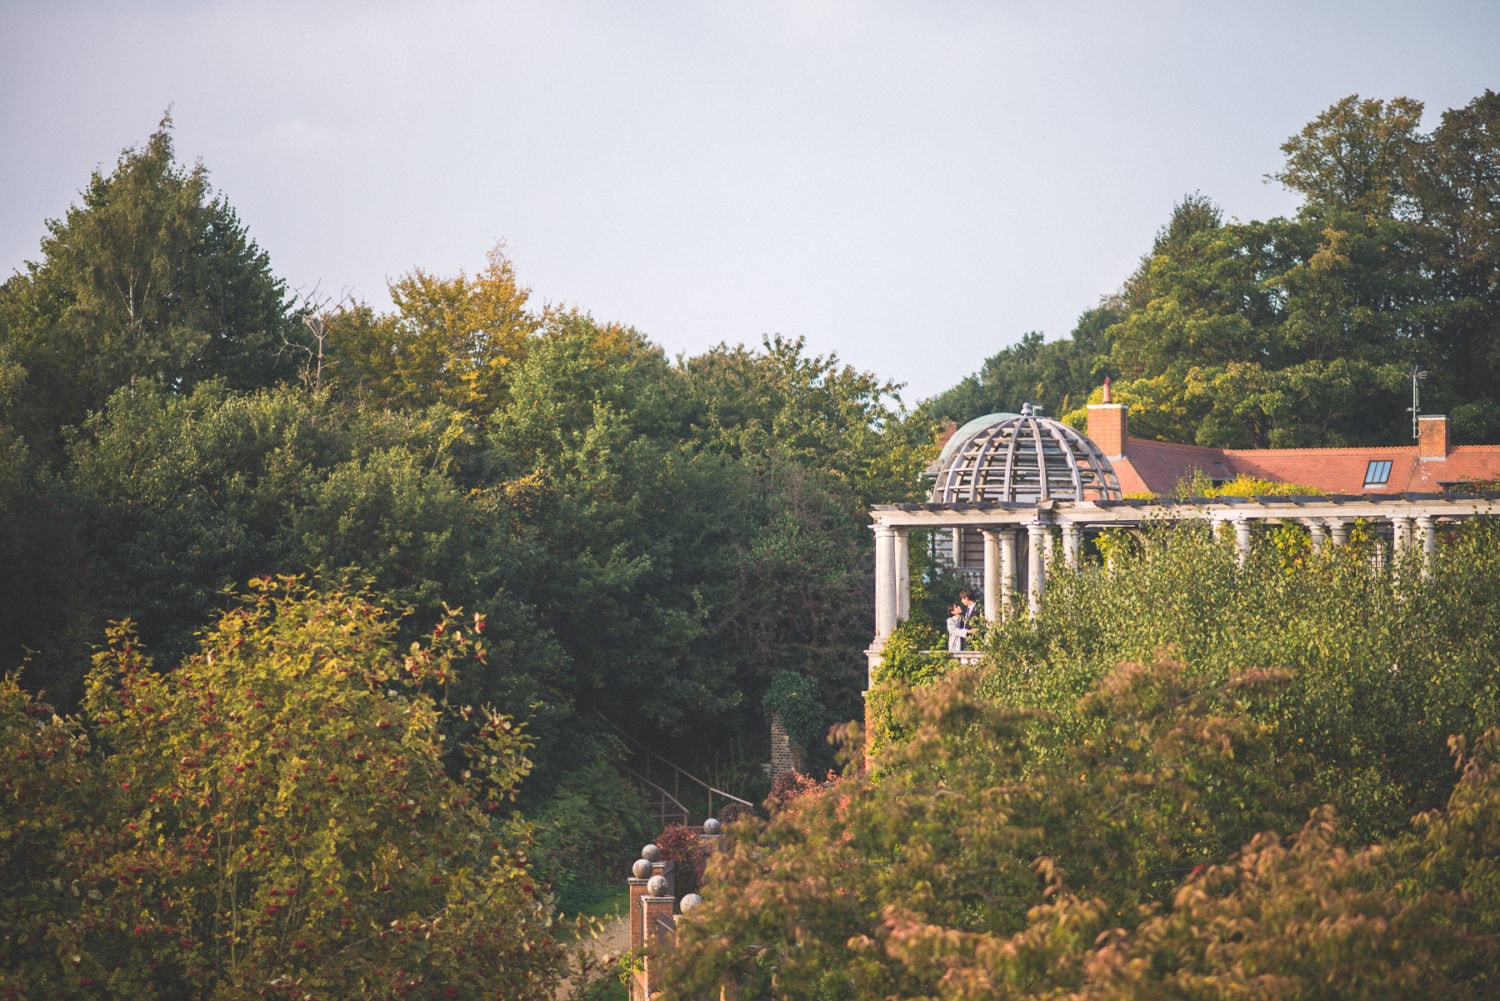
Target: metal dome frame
[(1022, 458)]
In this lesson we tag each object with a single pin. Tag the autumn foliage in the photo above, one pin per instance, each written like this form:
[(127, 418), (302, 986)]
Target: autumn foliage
[(281, 816), (987, 858)]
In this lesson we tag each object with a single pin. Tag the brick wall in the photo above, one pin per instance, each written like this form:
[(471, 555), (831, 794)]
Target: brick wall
[(784, 757)]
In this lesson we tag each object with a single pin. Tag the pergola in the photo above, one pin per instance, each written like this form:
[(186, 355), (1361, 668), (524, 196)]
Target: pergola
[(1410, 521)]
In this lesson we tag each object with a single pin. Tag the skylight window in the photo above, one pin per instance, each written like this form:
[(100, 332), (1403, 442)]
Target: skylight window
[(1377, 473)]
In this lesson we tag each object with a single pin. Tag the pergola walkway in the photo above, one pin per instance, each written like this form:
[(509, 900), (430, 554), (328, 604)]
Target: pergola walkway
[(1410, 521)]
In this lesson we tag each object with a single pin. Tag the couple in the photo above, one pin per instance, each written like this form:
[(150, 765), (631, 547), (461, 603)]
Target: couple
[(963, 620)]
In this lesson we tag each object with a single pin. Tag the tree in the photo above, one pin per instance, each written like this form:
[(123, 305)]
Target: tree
[(51, 789), (1456, 183), (1353, 157), (1278, 334), (180, 496), (1195, 213), (1299, 331), (43, 591), (607, 516), (287, 818), (452, 340), (778, 403), (152, 278)]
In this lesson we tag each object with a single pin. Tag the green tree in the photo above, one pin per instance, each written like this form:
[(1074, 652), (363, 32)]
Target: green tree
[(44, 590), (1456, 183), (1353, 157), (178, 497), (779, 403), (1281, 334), (1157, 836), (600, 499), (1301, 331), (182, 495), (152, 279), (1387, 667)]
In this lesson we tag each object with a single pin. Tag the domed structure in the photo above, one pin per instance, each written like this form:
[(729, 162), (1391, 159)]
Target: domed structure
[(1022, 458)]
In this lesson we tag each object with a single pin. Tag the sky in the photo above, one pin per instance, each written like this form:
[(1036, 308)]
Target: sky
[(908, 186)]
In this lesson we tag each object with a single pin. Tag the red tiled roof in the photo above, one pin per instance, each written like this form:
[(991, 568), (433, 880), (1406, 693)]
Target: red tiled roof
[(1342, 470), (1158, 467)]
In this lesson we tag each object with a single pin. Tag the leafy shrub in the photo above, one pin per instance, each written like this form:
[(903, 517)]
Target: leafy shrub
[(680, 845), (284, 816), (584, 830)]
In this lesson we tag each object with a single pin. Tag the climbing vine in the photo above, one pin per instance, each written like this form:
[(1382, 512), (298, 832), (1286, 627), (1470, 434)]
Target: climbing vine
[(794, 698)]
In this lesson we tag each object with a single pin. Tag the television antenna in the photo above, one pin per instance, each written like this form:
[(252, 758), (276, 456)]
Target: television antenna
[(1418, 373)]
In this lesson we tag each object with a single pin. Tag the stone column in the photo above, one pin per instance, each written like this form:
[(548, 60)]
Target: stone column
[(1038, 537), (1428, 527), (1400, 537), (1338, 531), (1070, 540), (1315, 529), (991, 574), (1242, 538), (885, 582), (1008, 565), (903, 574)]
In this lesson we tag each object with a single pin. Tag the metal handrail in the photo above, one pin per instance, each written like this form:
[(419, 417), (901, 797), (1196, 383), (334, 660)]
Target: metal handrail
[(678, 774), (666, 798)]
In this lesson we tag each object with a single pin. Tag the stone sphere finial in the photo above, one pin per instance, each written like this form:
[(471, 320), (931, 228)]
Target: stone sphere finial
[(711, 826), (690, 901), (641, 868), (651, 853), (656, 886)]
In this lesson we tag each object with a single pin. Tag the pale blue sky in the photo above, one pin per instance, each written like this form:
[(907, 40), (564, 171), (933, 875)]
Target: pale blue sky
[(909, 185)]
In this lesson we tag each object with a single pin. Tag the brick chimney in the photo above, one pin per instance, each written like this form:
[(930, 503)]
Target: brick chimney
[(1432, 437), (1109, 425)]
